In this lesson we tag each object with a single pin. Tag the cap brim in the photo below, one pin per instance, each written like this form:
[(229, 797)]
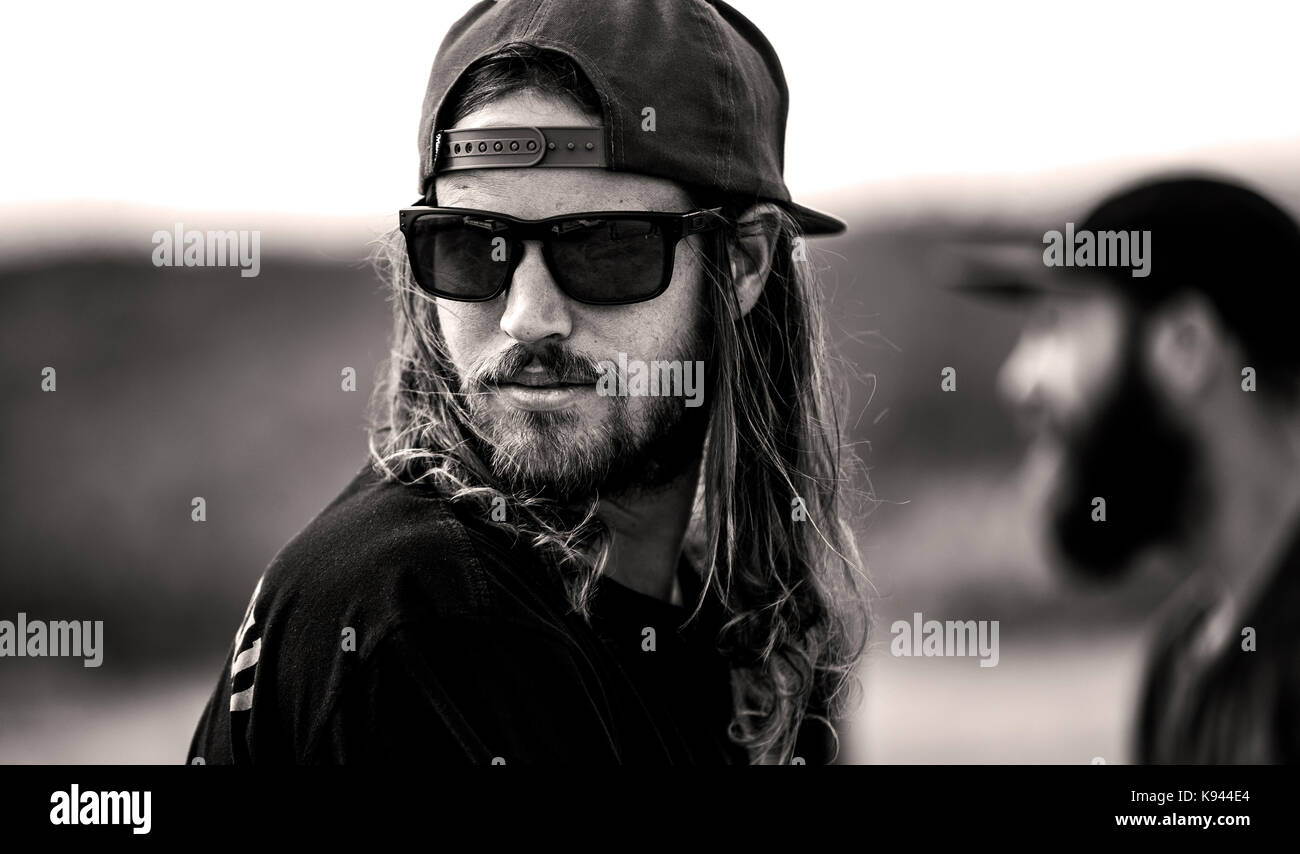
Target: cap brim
[(1003, 271), (1007, 291), (814, 222)]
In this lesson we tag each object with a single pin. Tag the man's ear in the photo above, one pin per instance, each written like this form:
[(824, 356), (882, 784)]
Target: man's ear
[(1185, 348), (751, 253)]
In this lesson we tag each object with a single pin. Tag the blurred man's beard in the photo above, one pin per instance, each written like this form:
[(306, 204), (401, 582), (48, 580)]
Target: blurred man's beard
[(550, 453), (1142, 463)]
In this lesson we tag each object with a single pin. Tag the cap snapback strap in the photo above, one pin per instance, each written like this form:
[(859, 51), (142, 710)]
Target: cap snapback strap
[(515, 147)]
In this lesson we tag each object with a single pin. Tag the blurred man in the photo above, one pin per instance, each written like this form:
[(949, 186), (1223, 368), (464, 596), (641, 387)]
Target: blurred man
[(604, 518), (1166, 391)]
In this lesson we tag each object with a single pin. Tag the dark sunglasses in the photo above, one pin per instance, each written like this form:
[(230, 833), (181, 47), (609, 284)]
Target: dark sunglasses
[(599, 258)]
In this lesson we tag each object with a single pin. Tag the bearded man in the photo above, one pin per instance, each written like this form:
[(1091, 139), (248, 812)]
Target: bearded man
[(541, 562), (1163, 390)]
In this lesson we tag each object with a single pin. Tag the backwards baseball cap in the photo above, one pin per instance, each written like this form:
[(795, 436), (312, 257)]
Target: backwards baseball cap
[(690, 90), (1200, 234)]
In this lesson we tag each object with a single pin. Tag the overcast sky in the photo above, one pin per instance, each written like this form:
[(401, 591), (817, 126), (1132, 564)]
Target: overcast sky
[(312, 108)]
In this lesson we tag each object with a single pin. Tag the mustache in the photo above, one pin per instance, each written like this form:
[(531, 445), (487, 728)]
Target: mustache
[(564, 365)]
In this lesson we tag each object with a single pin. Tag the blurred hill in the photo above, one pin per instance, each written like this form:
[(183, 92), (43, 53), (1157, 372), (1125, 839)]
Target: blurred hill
[(173, 383)]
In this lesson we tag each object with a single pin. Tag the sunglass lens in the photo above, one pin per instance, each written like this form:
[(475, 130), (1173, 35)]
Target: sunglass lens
[(459, 257), (607, 260)]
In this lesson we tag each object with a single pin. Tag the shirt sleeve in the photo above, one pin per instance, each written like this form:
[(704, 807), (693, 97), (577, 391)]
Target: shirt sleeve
[(211, 742), (220, 738)]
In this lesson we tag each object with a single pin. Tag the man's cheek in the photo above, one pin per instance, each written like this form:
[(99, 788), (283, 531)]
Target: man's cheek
[(466, 327)]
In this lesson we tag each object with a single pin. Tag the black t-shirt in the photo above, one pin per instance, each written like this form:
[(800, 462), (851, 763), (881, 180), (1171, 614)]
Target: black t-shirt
[(397, 627)]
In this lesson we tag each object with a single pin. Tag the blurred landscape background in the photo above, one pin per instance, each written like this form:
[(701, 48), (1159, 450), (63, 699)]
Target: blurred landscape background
[(176, 382), (183, 382)]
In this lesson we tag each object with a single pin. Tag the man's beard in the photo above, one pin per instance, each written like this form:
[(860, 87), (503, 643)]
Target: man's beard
[(552, 454), (1142, 463)]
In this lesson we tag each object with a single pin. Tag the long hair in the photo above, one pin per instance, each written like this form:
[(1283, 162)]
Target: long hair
[(770, 533)]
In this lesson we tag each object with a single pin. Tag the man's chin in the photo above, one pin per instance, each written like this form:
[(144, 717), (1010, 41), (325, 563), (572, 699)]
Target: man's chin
[(1089, 550), (564, 482), (548, 454), (1082, 545)]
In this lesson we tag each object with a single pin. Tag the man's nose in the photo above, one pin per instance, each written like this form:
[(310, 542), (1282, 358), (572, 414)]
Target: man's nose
[(536, 308)]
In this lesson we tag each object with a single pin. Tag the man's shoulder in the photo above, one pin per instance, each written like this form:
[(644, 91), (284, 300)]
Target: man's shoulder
[(391, 590), (382, 552)]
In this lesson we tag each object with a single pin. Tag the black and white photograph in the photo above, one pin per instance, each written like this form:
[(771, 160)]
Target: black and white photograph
[(593, 383)]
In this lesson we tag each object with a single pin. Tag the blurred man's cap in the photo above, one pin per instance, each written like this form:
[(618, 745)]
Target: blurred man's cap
[(697, 72), (1201, 234)]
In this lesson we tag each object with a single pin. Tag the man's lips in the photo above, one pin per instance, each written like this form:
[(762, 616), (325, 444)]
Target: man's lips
[(544, 381), (540, 393)]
